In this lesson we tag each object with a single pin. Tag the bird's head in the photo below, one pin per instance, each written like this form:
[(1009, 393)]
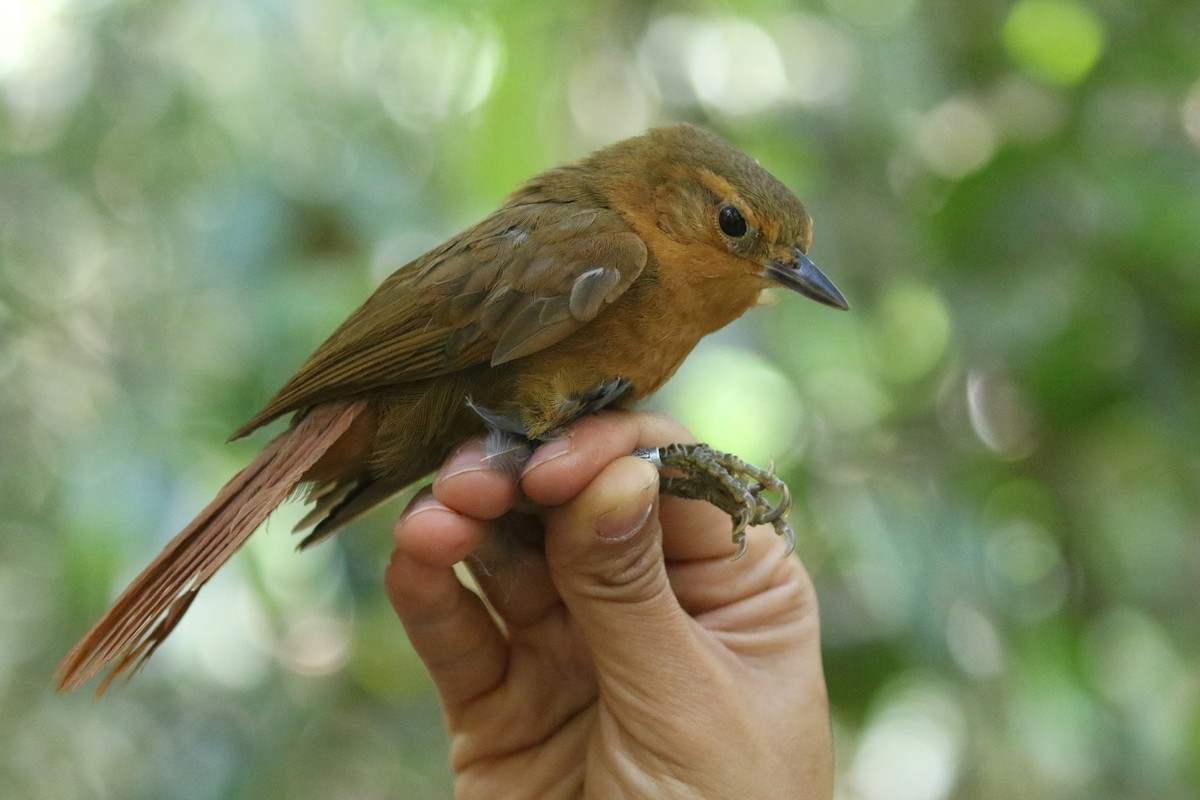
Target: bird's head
[(722, 214)]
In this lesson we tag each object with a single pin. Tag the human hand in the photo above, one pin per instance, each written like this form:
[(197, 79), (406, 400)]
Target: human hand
[(633, 658)]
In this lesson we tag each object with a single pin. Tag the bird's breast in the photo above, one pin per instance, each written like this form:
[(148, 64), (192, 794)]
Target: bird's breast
[(640, 339)]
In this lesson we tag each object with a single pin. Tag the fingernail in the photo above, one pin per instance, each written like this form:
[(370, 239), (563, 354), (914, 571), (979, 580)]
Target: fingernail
[(469, 458), (549, 451), (627, 518), (425, 502)]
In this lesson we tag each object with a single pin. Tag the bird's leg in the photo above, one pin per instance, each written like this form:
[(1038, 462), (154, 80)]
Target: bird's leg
[(724, 480), (596, 399), (510, 444), (729, 483)]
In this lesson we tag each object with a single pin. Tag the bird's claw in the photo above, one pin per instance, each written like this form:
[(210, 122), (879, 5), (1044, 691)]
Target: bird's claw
[(730, 484), (740, 539)]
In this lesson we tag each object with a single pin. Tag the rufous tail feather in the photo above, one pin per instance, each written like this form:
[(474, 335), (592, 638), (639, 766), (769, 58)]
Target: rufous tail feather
[(147, 611)]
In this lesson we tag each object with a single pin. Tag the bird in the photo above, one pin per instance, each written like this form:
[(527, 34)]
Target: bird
[(584, 291)]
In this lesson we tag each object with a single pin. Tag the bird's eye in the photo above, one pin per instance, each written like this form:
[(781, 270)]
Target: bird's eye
[(732, 222)]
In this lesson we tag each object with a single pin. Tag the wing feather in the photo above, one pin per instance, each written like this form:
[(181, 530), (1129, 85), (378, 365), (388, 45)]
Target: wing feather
[(520, 281)]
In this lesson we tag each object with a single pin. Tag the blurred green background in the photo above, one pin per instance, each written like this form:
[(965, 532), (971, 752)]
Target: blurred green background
[(995, 453)]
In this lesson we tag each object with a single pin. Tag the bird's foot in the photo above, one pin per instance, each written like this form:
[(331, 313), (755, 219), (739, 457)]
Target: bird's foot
[(729, 483)]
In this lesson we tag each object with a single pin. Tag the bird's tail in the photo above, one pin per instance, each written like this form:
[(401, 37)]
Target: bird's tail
[(152, 606)]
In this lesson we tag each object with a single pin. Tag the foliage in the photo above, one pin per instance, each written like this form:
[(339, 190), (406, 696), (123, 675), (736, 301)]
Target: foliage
[(994, 452)]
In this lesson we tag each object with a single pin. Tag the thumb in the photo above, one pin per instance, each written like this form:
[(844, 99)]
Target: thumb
[(604, 550)]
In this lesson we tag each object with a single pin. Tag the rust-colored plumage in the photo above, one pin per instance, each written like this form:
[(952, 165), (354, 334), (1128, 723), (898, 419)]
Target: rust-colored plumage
[(586, 289)]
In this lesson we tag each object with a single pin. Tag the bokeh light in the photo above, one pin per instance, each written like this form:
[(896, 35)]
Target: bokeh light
[(993, 454), (1056, 40)]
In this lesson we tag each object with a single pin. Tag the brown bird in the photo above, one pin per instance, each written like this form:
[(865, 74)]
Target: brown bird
[(585, 290)]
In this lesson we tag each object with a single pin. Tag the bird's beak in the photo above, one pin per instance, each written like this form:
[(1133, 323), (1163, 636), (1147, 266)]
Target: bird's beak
[(802, 275)]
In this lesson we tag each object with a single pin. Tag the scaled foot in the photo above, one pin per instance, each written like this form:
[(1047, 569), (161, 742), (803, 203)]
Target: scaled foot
[(729, 483)]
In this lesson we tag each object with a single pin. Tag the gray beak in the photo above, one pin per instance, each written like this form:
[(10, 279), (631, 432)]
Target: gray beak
[(803, 276)]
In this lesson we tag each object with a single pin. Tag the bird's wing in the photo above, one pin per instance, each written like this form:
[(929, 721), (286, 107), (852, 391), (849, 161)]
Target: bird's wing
[(516, 283)]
